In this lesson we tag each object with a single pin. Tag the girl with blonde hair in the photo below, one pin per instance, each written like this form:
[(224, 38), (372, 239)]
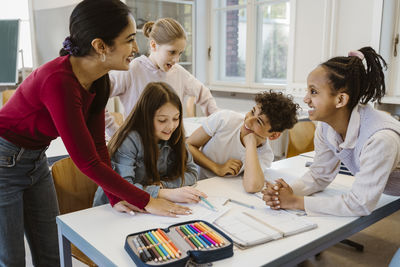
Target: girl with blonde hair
[(167, 41)]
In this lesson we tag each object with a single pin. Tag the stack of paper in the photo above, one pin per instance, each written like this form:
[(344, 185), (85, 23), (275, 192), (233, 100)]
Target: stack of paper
[(252, 228)]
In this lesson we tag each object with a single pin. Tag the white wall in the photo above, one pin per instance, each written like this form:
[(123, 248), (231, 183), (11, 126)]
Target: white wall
[(49, 25)]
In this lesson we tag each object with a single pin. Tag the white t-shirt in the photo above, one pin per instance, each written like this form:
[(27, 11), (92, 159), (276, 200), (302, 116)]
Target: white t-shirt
[(224, 129)]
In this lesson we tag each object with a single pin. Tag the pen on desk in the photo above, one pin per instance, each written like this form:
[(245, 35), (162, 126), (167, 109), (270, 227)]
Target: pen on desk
[(242, 203), (208, 203)]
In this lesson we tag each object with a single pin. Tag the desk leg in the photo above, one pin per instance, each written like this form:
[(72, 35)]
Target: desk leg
[(65, 250)]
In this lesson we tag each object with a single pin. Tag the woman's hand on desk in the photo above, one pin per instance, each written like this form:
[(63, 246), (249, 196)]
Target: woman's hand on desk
[(124, 206), (280, 196), (184, 194), (159, 206)]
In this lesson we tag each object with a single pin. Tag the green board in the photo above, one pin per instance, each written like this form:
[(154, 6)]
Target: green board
[(9, 30)]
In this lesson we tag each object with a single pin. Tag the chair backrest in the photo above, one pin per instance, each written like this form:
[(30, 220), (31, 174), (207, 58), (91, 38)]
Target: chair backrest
[(118, 117), (301, 138), (75, 191), (6, 94)]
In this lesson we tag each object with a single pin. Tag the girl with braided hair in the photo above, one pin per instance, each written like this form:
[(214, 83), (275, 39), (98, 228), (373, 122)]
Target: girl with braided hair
[(350, 131)]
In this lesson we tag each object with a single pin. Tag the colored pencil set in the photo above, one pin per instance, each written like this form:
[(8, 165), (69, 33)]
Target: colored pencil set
[(161, 247), (155, 246), (200, 236)]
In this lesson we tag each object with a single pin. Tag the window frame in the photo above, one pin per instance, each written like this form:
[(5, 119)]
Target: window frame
[(249, 85)]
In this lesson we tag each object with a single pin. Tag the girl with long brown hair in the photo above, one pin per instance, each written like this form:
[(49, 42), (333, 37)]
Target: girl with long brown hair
[(149, 149)]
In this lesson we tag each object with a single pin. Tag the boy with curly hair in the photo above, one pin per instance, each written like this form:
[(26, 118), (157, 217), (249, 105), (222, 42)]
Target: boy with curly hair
[(229, 143)]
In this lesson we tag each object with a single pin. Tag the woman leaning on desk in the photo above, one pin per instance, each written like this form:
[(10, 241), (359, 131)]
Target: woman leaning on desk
[(65, 97), (365, 140)]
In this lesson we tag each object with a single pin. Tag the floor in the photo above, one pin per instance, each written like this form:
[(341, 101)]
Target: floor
[(381, 240)]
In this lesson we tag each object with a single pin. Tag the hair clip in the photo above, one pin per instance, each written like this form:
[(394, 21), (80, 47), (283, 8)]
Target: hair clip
[(356, 53)]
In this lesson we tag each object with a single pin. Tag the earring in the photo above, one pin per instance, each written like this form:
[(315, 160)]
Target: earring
[(103, 57)]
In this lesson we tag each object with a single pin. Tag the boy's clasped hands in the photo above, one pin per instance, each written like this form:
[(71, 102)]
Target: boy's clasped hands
[(280, 196)]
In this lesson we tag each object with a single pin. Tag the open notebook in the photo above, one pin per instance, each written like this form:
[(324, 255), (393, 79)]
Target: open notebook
[(252, 228)]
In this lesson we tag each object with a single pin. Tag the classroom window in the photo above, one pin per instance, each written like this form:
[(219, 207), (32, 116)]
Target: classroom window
[(250, 41)]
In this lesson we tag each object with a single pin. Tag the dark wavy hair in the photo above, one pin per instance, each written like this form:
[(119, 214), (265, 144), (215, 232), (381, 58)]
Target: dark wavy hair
[(280, 110), (350, 75), (91, 19), (141, 119)]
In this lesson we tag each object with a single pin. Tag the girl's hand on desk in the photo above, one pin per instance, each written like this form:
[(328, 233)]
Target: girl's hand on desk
[(271, 195), (230, 167), (124, 206), (184, 194), (287, 199), (159, 206)]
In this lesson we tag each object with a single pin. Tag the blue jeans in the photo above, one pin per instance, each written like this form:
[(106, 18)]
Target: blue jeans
[(28, 204)]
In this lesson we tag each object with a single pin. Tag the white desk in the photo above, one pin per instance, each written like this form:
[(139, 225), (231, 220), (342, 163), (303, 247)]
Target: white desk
[(100, 232)]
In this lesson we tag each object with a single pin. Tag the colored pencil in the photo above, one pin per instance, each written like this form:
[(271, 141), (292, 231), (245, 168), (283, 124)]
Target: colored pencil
[(169, 240), (220, 239), (208, 203), (200, 236), (242, 203), (190, 236), (139, 249), (185, 238), (205, 236), (155, 246), (146, 251), (167, 243), (165, 246), (209, 234), (194, 233), (151, 249)]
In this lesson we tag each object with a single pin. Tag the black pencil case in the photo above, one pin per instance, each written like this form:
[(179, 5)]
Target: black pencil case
[(188, 252)]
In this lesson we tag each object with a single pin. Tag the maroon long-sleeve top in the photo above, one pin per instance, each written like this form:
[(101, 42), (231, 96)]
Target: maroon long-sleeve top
[(51, 103)]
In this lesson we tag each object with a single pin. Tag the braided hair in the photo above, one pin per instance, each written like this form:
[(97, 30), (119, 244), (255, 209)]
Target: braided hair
[(350, 75)]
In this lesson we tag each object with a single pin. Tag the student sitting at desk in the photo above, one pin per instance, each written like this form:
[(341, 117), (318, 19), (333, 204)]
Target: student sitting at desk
[(149, 149), (351, 131), (167, 40), (229, 143)]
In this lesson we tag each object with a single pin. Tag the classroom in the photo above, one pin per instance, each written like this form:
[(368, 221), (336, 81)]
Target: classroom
[(199, 133)]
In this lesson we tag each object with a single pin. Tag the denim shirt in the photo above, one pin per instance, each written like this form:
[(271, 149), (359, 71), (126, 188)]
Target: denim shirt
[(128, 161)]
